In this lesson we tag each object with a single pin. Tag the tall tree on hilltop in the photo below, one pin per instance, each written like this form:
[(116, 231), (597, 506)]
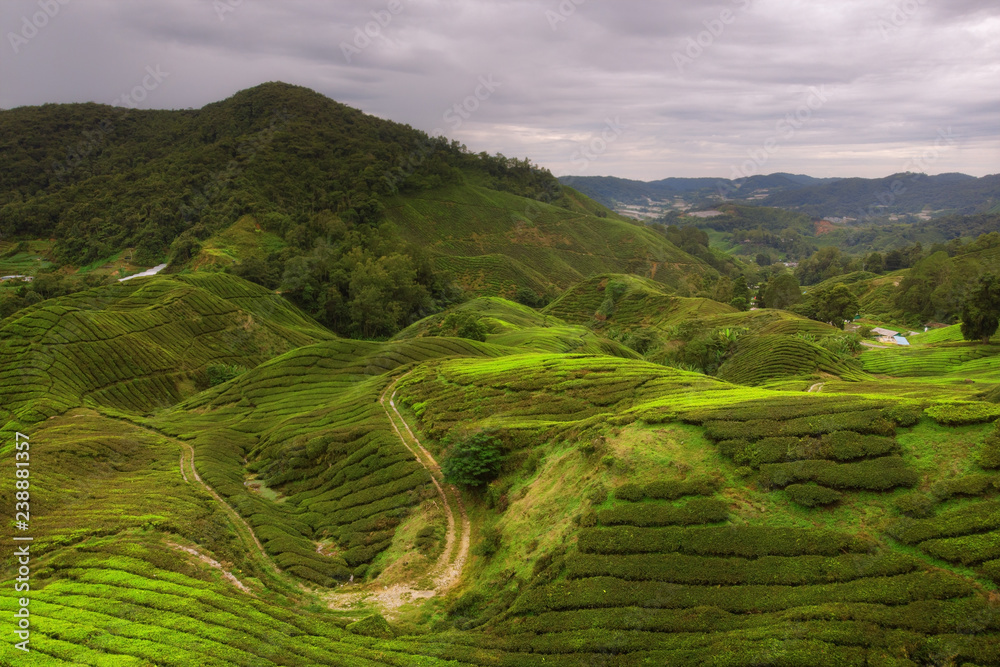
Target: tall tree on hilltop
[(783, 292), (981, 311)]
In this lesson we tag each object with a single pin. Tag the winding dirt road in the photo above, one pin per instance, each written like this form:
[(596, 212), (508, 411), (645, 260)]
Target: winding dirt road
[(242, 527), (447, 570)]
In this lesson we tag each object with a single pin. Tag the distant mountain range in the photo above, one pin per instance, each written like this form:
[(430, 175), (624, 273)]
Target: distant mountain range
[(858, 198)]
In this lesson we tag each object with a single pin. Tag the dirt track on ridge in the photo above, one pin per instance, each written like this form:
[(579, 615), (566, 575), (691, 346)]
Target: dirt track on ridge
[(447, 570)]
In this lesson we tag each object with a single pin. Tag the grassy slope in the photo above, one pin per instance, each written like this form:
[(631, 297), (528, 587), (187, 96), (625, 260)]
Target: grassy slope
[(562, 587), (243, 239), (494, 242), (777, 346), (142, 344), (513, 325), (575, 418)]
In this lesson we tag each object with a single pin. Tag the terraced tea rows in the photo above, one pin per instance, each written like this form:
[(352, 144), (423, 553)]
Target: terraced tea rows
[(760, 359), (963, 360), (134, 600), (966, 535), (545, 247), (636, 302), (836, 443), (510, 324), (670, 594), (139, 345), (317, 439)]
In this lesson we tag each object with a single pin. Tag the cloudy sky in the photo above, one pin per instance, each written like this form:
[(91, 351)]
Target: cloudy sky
[(628, 88)]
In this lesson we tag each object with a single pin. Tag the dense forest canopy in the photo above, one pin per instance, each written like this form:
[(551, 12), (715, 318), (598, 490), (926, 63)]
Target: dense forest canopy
[(108, 177), (313, 172)]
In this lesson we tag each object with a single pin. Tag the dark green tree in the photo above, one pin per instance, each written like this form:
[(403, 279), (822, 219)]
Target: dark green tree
[(473, 460), (464, 325), (783, 292), (836, 304), (741, 294), (981, 311)]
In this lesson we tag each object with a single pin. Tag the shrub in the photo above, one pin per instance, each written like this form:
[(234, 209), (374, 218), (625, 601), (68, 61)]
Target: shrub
[(879, 474), (861, 421), (991, 569), (490, 542), (744, 541), (988, 455), (978, 517), (915, 505), (598, 494), (810, 495), (699, 510), (847, 445), (603, 592), (967, 485), (903, 415), (219, 373), (528, 298), (474, 460), (967, 550), (721, 571), (673, 489), (464, 325), (630, 492), (960, 414), (372, 626)]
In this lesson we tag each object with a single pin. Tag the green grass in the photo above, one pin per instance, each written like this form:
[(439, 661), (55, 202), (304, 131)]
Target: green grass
[(640, 516), (494, 242), (140, 345), (764, 358), (241, 240)]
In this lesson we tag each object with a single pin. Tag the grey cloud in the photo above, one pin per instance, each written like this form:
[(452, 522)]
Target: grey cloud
[(895, 71)]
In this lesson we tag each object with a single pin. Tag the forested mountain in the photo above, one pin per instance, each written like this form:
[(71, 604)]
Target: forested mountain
[(898, 194), (365, 223), (859, 198), (97, 177), (609, 190)]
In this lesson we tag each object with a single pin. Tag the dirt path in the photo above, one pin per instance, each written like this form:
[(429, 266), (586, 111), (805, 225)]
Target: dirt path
[(447, 570), (815, 389), (242, 527), (212, 563)]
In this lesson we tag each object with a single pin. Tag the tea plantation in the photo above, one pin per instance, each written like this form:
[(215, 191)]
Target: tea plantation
[(641, 514)]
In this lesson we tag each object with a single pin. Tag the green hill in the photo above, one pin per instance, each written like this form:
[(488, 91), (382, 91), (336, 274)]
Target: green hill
[(215, 478), (509, 324), (141, 344), (629, 301), (365, 224), (641, 512), (493, 243), (760, 359)]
